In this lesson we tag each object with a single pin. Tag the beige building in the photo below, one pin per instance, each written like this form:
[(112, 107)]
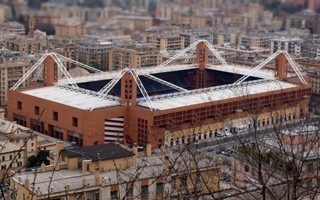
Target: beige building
[(134, 55), (28, 45), (165, 41), (115, 172), (70, 28), (14, 28), (314, 75), (94, 53), (12, 158), (64, 46), (134, 23), (12, 67)]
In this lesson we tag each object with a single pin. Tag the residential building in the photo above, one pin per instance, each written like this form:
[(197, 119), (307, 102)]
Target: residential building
[(13, 158), (94, 53), (291, 45), (165, 41), (244, 55), (64, 45), (191, 36), (116, 172), (28, 45), (13, 65), (225, 36), (134, 55), (132, 23), (70, 28), (255, 40), (314, 75), (13, 28)]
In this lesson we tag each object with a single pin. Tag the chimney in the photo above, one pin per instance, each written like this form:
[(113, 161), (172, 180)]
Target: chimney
[(149, 149), (38, 192), (135, 149), (67, 187), (26, 183), (166, 163), (59, 147), (84, 182), (96, 175), (43, 167), (51, 189)]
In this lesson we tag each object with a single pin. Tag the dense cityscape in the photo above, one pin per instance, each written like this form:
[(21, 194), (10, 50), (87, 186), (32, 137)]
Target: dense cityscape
[(159, 99)]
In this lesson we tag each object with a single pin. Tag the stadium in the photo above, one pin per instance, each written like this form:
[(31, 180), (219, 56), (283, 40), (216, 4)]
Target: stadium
[(169, 104)]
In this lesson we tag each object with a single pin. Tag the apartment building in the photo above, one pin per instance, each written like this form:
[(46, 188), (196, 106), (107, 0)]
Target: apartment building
[(64, 45), (314, 75), (224, 36), (70, 28), (165, 41), (94, 53), (132, 23), (244, 55), (12, 158), (191, 36), (134, 55), (255, 40), (12, 66), (291, 45), (29, 45), (116, 172), (14, 28)]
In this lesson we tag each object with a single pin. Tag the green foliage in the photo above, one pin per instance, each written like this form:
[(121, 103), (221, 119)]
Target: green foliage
[(39, 158)]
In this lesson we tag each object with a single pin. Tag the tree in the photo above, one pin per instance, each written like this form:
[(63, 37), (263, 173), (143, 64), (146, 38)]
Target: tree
[(39, 158)]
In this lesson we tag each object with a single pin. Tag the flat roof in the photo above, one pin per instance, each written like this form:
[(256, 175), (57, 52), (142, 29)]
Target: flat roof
[(99, 152), (110, 75), (243, 70), (181, 99), (70, 98)]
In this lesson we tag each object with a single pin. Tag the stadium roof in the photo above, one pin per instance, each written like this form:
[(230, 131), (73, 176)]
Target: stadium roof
[(70, 98), (110, 75), (169, 101)]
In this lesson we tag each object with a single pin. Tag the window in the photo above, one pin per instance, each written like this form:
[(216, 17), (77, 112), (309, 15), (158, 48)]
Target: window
[(19, 155), (144, 191), (246, 168), (36, 110), (75, 121), (55, 116), (309, 183), (19, 105), (114, 195), (310, 167), (10, 157), (183, 181), (159, 187), (130, 192), (3, 158)]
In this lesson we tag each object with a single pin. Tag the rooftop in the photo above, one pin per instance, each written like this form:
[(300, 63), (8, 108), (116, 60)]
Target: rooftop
[(169, 101), (70, 98), (98, 152)]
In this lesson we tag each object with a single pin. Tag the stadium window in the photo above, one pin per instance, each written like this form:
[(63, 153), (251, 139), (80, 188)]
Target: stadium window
[(19, 105), (36, 110), (75, 121), (55, 116)]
